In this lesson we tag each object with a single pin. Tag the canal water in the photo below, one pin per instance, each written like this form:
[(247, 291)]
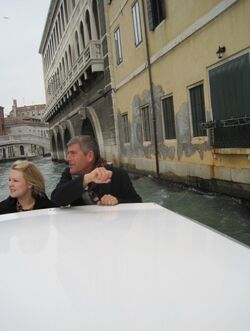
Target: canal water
[(225, 214)]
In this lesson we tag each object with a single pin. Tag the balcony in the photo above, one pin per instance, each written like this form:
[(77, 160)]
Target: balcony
[(90, 58)]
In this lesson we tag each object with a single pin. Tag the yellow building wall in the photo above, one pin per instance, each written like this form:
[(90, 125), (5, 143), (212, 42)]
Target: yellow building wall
[(173, 73), (133, 56)]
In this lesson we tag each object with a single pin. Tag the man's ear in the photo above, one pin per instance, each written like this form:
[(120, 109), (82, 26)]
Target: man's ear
[(90, 156)]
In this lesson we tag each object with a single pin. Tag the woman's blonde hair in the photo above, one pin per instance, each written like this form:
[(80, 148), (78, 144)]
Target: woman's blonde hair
[(32, 175)]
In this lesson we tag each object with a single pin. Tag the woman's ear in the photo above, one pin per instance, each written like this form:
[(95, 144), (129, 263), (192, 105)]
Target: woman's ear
[(30, 186)]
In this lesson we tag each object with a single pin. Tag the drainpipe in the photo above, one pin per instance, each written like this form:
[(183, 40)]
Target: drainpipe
[(151, 90)]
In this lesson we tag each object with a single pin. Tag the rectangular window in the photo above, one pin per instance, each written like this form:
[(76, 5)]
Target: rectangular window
[(197, 110), (156, 13), (146, 123), (118, 46), (125, 128), (137, 23), (168, 117)]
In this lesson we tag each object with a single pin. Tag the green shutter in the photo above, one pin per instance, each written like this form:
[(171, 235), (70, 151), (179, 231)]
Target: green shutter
[(230, 99)]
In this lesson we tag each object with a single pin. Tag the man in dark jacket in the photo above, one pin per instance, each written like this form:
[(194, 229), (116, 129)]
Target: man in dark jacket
[(89, 180)]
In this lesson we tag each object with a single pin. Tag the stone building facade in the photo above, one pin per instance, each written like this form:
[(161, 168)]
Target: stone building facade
[(25, 134), (32, 112), (74, 49)]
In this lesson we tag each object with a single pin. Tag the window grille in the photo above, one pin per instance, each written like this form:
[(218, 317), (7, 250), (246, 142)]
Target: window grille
[(197, 110), (125, 128), (168, 117), (146, 123)]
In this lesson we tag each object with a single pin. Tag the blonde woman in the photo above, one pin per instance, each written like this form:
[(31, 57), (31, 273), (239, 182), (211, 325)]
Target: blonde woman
[(27, 189)]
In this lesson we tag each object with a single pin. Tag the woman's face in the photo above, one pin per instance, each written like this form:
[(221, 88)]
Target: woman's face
[(18, 186)]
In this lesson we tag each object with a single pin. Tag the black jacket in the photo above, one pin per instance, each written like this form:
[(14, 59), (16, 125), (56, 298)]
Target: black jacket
[(69, 191), (9, 205)]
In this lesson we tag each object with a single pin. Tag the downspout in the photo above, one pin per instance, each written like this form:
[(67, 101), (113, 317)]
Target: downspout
[(148, 64)]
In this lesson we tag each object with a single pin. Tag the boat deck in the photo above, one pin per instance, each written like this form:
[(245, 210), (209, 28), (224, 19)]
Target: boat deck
[(127, 267)]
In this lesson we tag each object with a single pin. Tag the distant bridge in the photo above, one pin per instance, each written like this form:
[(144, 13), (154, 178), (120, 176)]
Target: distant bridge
[(25, 139)]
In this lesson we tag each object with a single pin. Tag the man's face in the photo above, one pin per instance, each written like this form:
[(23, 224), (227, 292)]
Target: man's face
[(78, 162)]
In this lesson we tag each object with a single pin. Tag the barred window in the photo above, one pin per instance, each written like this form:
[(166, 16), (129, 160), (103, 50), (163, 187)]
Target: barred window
[(118, 46), (168, 117), (197, 110), (125, 128), (146, 123), (137, 23)]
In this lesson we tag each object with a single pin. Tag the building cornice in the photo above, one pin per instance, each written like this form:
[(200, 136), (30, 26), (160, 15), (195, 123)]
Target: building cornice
[(48, 22)]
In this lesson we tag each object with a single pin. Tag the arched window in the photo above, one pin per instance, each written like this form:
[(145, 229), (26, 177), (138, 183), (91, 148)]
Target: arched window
[(57, 33), (67, 62), (54, 81), (59, 146), (53, 143), (58, 77), (50, 47), (70, 57), (53, 43), (59, 25), (48, 61), (82, 35), (87, 20), (52, 85), (77, 44), (21, 150), (87, 128), (66, 136), (96, 16), (63, 65), (62, 17), (55, 40), (60, 71), (45, 60), (66, 11)]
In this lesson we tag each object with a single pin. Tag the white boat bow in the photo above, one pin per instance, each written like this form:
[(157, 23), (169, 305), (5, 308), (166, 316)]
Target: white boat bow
[(126, 267)]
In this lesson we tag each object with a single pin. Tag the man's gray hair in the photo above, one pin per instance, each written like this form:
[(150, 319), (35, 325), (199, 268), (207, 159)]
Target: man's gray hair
[(87, 143)]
